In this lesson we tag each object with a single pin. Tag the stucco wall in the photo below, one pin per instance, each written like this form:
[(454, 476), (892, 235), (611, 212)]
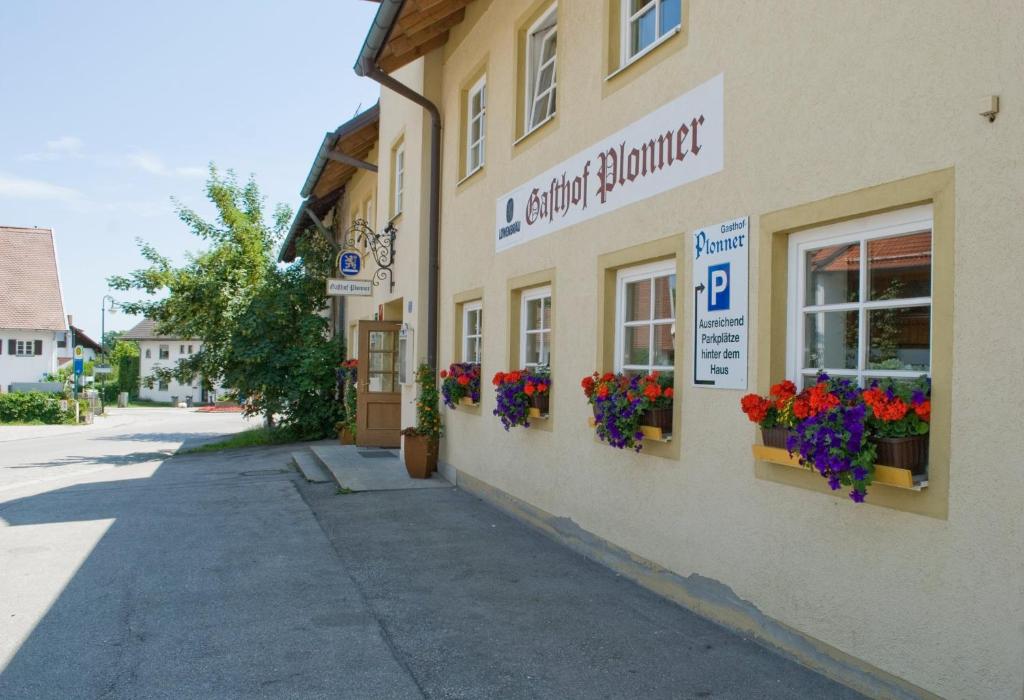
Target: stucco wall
[(818, 103), (27, 369)]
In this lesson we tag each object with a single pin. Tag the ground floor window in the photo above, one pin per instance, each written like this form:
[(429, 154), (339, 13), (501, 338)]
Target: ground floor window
[(26, 348), (162, 386), (646, 318), (535, 335), (860, 297), (472, 331)]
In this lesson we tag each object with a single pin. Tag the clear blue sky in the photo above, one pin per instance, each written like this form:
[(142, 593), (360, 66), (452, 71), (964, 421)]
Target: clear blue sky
[(107, 109)]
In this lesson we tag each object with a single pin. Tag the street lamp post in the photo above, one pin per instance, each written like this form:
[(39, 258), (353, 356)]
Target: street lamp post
[(103, 319)]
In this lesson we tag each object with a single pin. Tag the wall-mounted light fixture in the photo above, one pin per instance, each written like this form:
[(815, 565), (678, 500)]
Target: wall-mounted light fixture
[(990, 107)]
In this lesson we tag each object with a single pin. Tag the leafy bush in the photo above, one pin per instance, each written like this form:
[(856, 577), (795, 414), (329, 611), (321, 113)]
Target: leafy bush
[(33, 407)]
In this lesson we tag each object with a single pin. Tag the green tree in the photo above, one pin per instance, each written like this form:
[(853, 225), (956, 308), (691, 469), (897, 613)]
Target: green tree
[(260, 324)]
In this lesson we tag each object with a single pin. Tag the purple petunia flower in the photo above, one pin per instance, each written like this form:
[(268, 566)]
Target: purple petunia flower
[(857, 496)]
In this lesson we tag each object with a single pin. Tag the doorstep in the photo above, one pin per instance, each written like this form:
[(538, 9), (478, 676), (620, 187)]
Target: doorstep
[(370, 469)]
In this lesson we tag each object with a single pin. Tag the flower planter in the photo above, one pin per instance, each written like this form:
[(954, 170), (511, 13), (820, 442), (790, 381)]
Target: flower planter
[(775, 437), (904, 453), (660, 418), (420, 456), (346, 437), (467, 401), (541, 402)]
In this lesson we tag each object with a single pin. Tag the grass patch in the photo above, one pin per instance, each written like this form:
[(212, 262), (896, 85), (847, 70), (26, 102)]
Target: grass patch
[(254, 437)]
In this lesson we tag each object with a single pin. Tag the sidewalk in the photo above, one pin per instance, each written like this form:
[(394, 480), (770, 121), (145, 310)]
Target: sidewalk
[(476, 604)]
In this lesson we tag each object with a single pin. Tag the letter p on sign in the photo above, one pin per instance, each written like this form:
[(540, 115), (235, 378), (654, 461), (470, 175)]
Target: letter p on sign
[(718, 287)]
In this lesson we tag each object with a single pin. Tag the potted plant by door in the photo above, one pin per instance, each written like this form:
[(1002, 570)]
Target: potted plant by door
[(420, 442), (772, 413), (898, 418)]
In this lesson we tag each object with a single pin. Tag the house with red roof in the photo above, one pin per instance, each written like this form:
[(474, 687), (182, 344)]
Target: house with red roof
[(33, 326)]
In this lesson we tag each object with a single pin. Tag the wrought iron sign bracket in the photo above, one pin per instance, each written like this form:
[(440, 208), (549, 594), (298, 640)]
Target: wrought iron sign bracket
[(380, 245)]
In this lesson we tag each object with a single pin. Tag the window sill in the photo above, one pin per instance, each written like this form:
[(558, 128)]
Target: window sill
[(537, 415), (664, 38), (884, 476), (535, 129), (469, 176), (466, 401)]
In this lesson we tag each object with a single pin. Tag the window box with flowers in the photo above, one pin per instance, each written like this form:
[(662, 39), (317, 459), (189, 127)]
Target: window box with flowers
[(630, 408), (520, 396), (852, 437), (460, 384)]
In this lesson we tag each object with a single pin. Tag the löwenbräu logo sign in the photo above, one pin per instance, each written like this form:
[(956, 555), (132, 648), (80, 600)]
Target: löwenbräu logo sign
[(677, 143)]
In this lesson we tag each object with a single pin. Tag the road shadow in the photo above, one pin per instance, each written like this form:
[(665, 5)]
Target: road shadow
[(213, 580)]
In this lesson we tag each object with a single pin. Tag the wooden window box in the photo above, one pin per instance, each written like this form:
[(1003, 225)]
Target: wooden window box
[(649, 431), (886, 476), (536, 414)]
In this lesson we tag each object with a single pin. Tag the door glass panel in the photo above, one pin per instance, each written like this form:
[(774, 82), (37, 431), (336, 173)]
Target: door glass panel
[(833, 275), (382, 340), (382, 362), (381, 382)]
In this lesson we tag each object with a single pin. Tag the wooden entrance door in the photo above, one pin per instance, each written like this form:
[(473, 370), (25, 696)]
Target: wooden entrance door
[(379, 409)]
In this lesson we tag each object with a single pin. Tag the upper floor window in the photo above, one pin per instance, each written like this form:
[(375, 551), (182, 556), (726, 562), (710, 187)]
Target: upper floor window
[(860, 298), (165, 352), (646, 318), (541, 81), (535, 338), (398, 179), (476, 121), (645, 22), (472, 331)]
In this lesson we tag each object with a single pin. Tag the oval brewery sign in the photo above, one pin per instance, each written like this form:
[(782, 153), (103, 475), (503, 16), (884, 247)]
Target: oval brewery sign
[(349, 263)]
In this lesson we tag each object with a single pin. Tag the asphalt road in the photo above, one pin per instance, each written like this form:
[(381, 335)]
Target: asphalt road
[(126, 573)]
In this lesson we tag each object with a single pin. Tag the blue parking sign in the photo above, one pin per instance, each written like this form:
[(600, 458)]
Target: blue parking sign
[(718, 287), (349, 263)]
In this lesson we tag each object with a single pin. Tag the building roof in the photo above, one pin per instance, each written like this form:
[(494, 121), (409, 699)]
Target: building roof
[(30, 280), (84, 340), (327, 177), (404, 30), (146, 330)]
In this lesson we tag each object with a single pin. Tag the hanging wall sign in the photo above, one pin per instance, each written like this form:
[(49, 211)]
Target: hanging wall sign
[(349, 288), (677, 143), (720, 319), (350, 263)]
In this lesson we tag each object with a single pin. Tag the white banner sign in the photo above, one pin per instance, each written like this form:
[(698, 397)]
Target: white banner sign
[(349, 288), (720, 320), (677, 143)]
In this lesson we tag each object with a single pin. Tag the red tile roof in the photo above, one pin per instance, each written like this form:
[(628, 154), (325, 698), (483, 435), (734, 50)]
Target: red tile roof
[(30, 293)]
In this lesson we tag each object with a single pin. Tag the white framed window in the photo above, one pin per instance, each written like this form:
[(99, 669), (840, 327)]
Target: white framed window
[(860, 298), (165, 352), (645, 318), (472, 331), (476, 126), (398, 179), (645, 23), (24, 348), (535, 328), (541, 80)]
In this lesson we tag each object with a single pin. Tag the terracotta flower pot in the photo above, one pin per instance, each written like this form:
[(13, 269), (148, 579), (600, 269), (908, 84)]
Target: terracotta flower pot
[(542, 402), (658, 418), (904, 452), (420, 456), (346, 437), (775, 437)]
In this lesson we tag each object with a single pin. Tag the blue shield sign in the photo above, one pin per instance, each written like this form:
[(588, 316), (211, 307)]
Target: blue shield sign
[(349, 263)]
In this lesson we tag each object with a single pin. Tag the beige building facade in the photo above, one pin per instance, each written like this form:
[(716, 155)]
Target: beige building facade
[(819, 127)]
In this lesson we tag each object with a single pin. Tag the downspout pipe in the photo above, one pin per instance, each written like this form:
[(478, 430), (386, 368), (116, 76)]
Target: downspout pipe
[(367, 67)]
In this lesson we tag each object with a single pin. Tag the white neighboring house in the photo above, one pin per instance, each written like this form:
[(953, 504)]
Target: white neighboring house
[(33, 327), (157, 350)]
